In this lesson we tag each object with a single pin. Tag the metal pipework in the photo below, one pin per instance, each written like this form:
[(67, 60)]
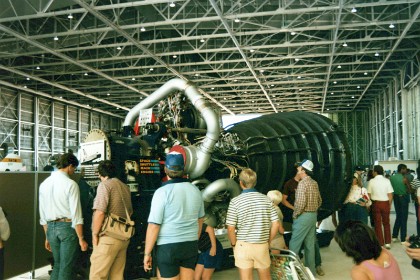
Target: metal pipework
[(197, 158), (221, 185)]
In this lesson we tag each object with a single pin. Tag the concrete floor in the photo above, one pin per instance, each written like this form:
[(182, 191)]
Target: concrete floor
[(335, 263)]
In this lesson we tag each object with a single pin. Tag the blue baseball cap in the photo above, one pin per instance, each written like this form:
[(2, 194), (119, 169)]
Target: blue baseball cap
[(174, 161)]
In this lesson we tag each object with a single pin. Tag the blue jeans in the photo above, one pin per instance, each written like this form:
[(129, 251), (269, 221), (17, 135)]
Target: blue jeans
[(401, 215), (303, 232), (64, 245)]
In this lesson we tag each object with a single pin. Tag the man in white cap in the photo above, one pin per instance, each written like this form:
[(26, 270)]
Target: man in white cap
[(175, 221), (308, 200)]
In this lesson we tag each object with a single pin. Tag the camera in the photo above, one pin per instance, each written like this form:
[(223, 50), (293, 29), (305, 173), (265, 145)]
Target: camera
[(415, 243)]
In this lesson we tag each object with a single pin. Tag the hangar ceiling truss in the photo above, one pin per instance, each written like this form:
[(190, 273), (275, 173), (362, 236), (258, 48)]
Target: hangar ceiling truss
[(255, 56)]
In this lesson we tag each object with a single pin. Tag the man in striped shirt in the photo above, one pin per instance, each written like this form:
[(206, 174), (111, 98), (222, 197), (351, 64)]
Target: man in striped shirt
[(308, 200), (252, 222)]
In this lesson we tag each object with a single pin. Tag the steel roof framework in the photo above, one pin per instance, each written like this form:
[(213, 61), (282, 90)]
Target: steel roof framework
[(245, 56)]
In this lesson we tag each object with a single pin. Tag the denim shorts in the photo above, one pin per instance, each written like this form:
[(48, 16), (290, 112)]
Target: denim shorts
[(212, 261), (170, 257)]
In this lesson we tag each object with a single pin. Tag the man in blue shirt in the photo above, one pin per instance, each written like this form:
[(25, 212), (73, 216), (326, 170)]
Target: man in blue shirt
[(175, 221)]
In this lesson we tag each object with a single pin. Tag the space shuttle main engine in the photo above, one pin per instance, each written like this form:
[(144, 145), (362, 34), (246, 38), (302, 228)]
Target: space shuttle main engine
[(183, 121)]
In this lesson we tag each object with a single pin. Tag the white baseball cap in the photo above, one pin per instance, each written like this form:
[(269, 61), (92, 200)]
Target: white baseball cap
[(307, 164)]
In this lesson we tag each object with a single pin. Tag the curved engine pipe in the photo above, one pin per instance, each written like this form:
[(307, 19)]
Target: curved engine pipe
[(221, 185), (197, 158)]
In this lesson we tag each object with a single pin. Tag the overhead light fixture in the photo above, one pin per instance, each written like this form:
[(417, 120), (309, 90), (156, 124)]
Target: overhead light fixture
[(61, 97), (376, 54), (348, 105), (212, 88), (365, 73), (300, 89), (391, 25), (252, 50), (172, 5), (345, 44), (237, 20), (133, 79), (296, 59), (353, 10), (70, 16), (352, 96), (334, 82), (86, 74), (27, 78), (118, 48), (174, 56), (293, 33), (339, 66), (262, 71), (108, 94), (151, 69), (142, 29), (37, 68), (273, 86), (25, 87), (56, 38), (299, 77), (358, 86), (332, 93), (202, 40)]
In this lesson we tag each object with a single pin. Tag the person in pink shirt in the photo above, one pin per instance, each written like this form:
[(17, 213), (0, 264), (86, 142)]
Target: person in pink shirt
[(371, 260)]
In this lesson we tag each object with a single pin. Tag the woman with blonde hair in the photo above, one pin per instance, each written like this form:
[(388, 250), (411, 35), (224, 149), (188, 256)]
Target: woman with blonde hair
[(278, 242)]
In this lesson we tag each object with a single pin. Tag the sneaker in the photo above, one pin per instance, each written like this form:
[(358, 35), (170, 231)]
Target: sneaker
[(388, 246), (320, 271), (394, 239)]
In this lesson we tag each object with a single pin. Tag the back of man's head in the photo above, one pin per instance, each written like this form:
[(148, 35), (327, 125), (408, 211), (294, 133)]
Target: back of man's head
[(401, 167), (378, 169), (248, 177), (66, 160)]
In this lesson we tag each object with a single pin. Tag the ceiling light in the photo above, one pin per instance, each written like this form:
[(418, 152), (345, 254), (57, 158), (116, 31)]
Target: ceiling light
[(353, 10), (212, 88), (328, 109), (300, 89), (224, 98), (299, 77), (391, 25), (142, 29), (365, 73), (86, 74), (108, 94), (376, 54), (118, 48), (235, 80), (70, 16), (352, 96), (233, 106), (253, 101), (196, 74), (25, 87), (37, 68), (27, 78), (252, 50), (262, 71), (237, 20), (118, 108), (293, 33), (348, 105), (358, 86), (273, 86), (61, 97), (332, 93), (334, 82), (133, 79), (345, 44), (339, 66), (151, 69), (202, 40), (174, 56), (296, 59), (172, 5), (55, 38)]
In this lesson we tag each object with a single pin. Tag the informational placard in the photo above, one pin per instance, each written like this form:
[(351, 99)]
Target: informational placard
[(91, 152), (149, 166), (145, 116)]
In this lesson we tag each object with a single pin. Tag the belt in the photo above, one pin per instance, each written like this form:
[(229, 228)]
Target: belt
[(65, 220)]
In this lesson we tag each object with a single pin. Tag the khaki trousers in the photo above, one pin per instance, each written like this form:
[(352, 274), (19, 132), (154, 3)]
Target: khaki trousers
[(108, 259)]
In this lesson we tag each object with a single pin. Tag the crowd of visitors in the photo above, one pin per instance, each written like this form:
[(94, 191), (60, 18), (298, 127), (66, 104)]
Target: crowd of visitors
[(181, 245)]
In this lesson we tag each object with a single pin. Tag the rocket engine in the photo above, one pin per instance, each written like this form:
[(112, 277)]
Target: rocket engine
[(182, 120)]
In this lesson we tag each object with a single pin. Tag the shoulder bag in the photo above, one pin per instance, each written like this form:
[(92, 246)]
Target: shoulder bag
[(118, 227)]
